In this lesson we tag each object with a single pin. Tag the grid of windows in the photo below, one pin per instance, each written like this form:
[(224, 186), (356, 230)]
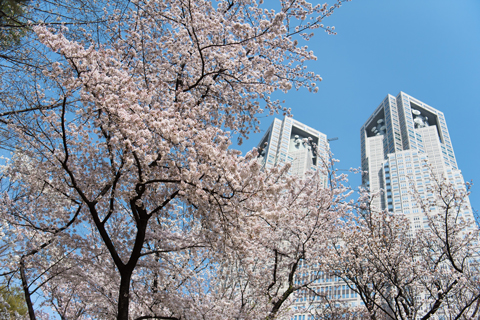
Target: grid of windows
[(415, 137)]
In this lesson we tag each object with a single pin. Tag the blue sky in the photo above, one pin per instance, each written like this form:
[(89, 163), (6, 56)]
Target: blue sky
[(429, 49)]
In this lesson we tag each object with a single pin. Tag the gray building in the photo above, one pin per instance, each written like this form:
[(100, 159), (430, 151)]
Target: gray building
[(291, 141), (402, 143)]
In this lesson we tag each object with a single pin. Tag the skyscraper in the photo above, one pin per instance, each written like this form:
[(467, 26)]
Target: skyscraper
[(398, 142), (293, 142)]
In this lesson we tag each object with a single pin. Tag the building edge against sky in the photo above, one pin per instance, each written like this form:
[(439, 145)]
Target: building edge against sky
[(290, 141), (398, 140)]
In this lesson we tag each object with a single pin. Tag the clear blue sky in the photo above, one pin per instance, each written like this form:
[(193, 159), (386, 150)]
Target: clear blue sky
[(429, 49)]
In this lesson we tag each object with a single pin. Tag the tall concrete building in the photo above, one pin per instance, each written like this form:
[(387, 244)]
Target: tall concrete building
[(293, 142), (399, 141)]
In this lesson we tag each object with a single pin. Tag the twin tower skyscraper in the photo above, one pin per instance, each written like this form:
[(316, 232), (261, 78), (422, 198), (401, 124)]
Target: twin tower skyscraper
[(402, 142), (405, 146)]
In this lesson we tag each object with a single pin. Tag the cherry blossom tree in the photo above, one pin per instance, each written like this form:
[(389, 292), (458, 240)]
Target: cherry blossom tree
[(402, 272), (284, 242), (23, 57), (123, 198)]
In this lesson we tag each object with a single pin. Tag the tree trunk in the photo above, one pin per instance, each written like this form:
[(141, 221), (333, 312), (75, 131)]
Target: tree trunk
[(124, 295), (28, 300), (126, 271)]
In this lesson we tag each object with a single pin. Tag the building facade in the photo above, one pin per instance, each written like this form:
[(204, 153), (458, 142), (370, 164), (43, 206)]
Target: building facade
[(290, 141), (403, 143)]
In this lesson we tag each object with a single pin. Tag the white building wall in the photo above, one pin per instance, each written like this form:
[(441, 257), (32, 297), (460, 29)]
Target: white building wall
[(415, 137), (287, 141), (284, 142)]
